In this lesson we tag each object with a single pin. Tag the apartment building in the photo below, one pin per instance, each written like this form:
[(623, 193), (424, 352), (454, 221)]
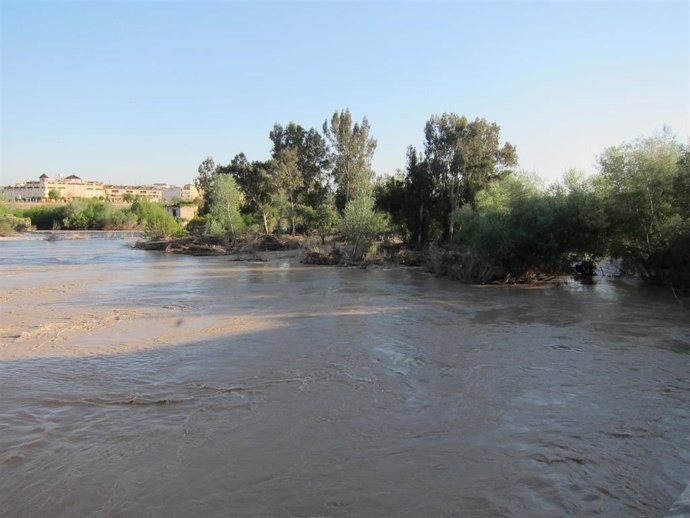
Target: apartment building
[(68, 188), (120, 193), (73, 187)]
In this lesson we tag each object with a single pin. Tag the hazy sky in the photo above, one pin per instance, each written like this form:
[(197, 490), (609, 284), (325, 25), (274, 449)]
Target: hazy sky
[(143, 91)]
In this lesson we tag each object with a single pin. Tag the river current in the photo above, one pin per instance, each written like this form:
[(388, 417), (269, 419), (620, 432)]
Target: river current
[(135, 383)]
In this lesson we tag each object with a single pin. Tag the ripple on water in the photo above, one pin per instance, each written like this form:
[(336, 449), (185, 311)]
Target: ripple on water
[(333, 392)]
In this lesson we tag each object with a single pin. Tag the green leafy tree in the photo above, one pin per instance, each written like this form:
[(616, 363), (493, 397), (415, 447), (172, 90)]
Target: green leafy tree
[(206, 176), (225, 215), (390, 198), (360, 224), (640, 182), (289, 180), (257, 182), (681, 183), (54, 194), (87, 215), (312, 160), (156, 221), (422, 207), (324, 219), (351, 152), (463, 157)]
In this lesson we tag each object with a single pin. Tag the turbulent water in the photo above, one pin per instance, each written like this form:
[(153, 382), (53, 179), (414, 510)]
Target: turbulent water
[(139, 384)]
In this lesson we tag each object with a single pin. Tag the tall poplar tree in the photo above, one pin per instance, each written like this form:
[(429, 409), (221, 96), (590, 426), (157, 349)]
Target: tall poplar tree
[(351, 152)]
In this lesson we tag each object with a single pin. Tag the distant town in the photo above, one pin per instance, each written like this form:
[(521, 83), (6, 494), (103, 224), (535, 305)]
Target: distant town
[(67, 188)]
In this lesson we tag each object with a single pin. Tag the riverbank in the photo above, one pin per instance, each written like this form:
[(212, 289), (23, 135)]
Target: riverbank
[(267, 248)]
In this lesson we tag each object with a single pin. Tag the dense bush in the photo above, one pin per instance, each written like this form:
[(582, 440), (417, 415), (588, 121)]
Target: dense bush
[(81, 215), (517, 226), (155, 220), (10, 224), (45, 217), (361, 223), (635, 209), (87, 215)]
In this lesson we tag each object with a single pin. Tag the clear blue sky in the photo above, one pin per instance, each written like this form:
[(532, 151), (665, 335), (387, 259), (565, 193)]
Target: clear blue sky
[(143, 91)]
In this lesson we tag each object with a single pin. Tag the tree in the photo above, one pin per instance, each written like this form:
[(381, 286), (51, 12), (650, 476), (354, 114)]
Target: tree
[(351, 152), (389, 196), (312, 160), (324, 219), (639, 182), (204, 181), (54, 194), (681, 183), (225, 210), (289, 179), (361, 223), (157, 222), (421, 200), (463, 157), (257, 183)]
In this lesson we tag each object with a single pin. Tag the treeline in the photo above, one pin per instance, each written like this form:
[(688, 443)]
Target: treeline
[(316, 182), (101, 215), (462, 201)]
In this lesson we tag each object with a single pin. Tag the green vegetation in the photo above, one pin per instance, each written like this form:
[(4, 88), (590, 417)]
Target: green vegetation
[(516, 226), (461, 201), (647, 203), (96, 215), (155, 220), (100, 215), (225, 219), (361, 224), (45, 217), (303, 188), (10, 223)]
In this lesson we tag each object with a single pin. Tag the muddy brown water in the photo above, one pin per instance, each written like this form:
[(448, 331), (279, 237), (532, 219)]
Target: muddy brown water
[(282, 390)]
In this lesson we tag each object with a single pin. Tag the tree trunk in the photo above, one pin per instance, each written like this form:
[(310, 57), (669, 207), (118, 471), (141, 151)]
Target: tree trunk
[(232, 227), (292, 215), (421, 226), (265, 218), (451, 222)]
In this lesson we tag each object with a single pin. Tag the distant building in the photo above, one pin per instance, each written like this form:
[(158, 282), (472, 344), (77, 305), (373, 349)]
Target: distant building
[(169, 191), (116, 193), (189, 192), (68, 188), (73, 187), (183, 213)]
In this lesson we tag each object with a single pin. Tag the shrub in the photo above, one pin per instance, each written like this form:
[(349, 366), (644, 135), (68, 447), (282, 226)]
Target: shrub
[(45, 217), (361, 224), (155, 220)]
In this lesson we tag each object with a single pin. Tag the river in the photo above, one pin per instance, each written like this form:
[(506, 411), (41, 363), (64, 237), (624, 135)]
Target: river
[(135, 383)]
